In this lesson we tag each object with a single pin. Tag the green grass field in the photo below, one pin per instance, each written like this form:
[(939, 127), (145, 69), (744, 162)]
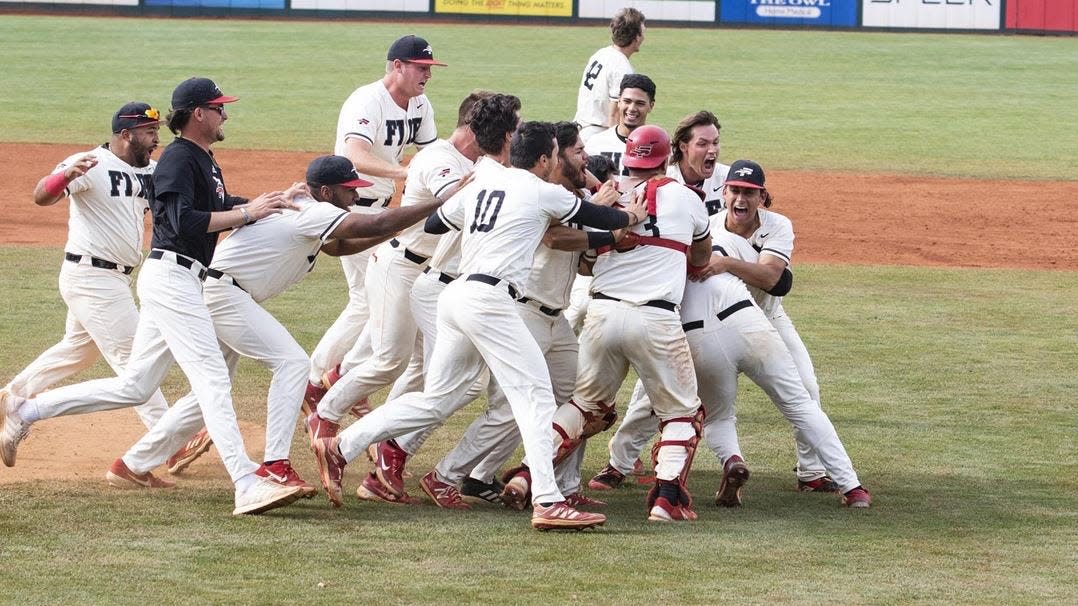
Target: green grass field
[(953, 390)]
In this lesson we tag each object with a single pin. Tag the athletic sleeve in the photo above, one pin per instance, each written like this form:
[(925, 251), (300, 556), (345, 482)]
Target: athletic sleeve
[(452, 212), (557, 202), (701, 224), (317, 220), (183, 218), (428, 130), (778, 239), (363, 119)]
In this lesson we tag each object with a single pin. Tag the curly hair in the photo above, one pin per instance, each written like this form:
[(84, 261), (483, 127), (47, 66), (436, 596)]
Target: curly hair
[(491, 119)]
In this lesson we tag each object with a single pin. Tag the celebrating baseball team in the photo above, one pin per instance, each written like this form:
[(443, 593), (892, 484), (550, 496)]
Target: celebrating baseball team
[(530, 262)]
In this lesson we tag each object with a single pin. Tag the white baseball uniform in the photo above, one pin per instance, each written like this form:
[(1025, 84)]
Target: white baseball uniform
[(611, 144), (391, 328), (633, 320), (253, 264), (105, 228), (369, 114), (729, 334), (711, 187), (502, 215), (600, 86)]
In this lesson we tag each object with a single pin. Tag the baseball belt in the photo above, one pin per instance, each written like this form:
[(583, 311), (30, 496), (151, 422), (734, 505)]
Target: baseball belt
[(550, 311), (178, 259), (416, 258), (722, 315), (441, 276), (383, 202), (487, 279), (99, 263), (223, 277), (659, 303)]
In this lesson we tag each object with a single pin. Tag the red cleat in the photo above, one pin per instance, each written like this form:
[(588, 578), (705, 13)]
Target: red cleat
[(331, 466), (858, 498), (579, 499), (517, 493), (390, 466), (664, 511), (193, 449), (560, 516), (282, 473), (312, 397), (734, 475), (443, 494), (608, 478), (319, 428), (120, 476), (373, 490)]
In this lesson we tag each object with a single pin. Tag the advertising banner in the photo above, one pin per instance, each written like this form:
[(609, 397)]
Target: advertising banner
[(533, 8), (246, 4), (1043, 15), (822, 13), (934, 14), (654, 10), (393, 6)]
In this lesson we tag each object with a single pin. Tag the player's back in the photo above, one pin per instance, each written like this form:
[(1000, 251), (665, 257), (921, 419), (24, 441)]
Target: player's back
[(599, 85)]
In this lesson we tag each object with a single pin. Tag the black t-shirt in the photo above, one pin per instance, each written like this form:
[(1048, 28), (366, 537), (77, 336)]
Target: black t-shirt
[(188, 186)]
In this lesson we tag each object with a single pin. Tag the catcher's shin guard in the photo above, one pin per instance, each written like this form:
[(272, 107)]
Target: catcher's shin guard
[(696, 422), (592, 423)]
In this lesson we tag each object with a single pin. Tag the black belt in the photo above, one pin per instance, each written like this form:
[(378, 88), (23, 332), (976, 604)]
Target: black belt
[(220, 275), (660, 303), (383, 202), (443, 277), (722, 315), (485, 279), (99, 263), (550, 311), (180, 260), (411, 256)]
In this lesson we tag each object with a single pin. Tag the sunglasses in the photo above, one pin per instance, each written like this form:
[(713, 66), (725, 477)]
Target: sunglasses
[(151, 113), (220, 109)]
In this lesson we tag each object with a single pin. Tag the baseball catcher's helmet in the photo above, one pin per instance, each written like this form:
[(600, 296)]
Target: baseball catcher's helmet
[(647, 147)]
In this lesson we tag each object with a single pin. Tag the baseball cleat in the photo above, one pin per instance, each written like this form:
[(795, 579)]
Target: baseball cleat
[(560, 516), (372, 489), (319, 428), (517, 492), (734, 475), (282, 473), (477, 492), (607, 479), (15, 429), (443, 494), (193, 449), (331, 466), (311, 398), (390, 466), (120, 475), (579, 499), (361, 408), (331, 376), (665, 511), (638, 468), (858, 498), (822, 484), (263, 495)]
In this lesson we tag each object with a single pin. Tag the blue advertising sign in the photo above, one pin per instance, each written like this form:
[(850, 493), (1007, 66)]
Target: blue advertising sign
[(822, 13)]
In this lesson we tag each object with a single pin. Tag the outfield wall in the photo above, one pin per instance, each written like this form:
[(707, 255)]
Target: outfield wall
[(1027, 16)]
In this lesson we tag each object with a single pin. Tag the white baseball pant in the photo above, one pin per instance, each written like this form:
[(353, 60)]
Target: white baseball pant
[(175, 326), (477, 323), (809, 465), (342, 335), (579, 297), (101, 320)]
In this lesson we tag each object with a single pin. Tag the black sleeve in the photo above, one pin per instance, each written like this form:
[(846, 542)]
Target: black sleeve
[(783, 286), (435, 225), (600, 238), (185, 220), (234, 201), (600, 217)]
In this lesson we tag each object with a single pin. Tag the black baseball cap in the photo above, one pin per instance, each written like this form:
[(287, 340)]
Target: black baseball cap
[(413, 49), (745, 173), (334, 170), (134, 115), (193, 92)]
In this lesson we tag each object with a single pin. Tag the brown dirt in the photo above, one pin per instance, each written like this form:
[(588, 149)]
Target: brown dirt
[(840, 218)]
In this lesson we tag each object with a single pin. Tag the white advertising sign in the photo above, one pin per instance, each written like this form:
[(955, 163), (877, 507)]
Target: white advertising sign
[(935, 14)]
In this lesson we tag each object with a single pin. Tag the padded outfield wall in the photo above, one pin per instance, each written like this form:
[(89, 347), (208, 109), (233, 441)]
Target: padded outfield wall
[(1020, 16)]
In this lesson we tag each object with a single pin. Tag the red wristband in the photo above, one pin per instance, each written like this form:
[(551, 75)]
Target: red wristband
[(56, 184)]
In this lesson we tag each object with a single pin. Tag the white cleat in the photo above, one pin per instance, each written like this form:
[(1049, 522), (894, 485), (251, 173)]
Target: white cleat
[(263, 496), (15, 429)]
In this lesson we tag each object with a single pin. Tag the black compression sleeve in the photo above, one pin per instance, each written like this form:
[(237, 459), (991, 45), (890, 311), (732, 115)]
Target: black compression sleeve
[(783, 286), (601, 217), (435, 225), (600, 238)]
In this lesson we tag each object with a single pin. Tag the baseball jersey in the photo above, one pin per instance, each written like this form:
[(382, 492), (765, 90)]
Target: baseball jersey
[(107, 208), (370, 113), (650, 272), (600, 86), (704, 300), (712, 186), (610, 144), (275, 252), (775, 237), (431, 173), (502, 215), (553, 272)]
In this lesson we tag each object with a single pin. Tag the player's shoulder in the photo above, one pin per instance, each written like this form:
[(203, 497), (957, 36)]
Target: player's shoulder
[(674, 172), (772, 222), (98, 151), (731, 245)]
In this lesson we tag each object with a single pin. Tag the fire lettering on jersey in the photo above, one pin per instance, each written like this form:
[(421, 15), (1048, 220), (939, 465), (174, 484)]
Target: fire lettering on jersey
[(121, 180), (395, 129)]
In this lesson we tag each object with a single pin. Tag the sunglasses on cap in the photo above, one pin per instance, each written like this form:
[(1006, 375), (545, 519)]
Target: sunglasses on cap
[(152, 113)]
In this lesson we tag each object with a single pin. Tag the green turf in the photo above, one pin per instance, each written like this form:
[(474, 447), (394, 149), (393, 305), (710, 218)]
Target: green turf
[(976, 105), (952, 389)]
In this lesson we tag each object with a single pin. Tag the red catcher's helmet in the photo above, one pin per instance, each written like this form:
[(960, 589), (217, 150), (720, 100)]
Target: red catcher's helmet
[(647, 147)]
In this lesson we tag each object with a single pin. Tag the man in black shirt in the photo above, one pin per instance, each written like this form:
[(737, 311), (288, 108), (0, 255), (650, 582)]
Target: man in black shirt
[(190, 206)]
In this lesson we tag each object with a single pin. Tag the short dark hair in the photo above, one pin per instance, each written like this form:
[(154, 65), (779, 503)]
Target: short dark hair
[(626, 25), (178, 118), (602, 167), (532, 141), (491, 119), (468, 103), (639, 81), (684, 131), (567, 134)]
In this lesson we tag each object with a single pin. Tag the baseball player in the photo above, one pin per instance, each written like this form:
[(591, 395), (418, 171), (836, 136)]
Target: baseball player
[(502, 215), (633, 320), (596, 109), (253, 264), (109, 190), (190, 205), (376, 123), (694, 160), (433, 174)]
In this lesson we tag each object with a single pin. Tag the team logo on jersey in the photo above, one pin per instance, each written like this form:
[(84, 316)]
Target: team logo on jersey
[(364, 121), (444, 172), (743, 172), (220, 190)]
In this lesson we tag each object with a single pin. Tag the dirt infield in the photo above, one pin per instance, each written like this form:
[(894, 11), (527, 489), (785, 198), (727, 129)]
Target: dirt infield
[(839, 218)]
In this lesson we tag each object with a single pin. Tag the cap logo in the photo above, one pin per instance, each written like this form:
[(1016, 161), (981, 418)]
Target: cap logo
[(428, 51), (743, 172), (642, 151)]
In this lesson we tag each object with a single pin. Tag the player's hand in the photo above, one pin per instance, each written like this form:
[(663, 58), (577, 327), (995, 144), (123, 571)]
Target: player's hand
[(718, 265), (607, 195), (637, 208), (267, 204), (299, 188), (80, 167)]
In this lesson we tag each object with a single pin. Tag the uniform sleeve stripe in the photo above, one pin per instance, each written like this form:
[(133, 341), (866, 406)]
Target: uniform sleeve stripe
[(720, 249), (426, 142), (360, 135), (441, 216), (442, 188), (576, 207), (776, 253), (332, 226), (707, 232)]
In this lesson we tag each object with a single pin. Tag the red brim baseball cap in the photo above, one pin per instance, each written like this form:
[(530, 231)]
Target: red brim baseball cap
[(413, 49), (356, 183), (743, 184)]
